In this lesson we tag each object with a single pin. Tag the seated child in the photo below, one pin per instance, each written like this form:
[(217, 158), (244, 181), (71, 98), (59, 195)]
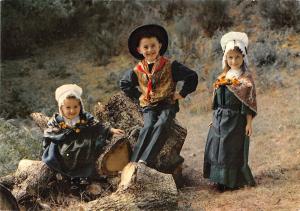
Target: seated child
[(74, 139)]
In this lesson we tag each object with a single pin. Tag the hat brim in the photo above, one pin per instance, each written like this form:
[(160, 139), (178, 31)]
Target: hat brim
[(147, 31)]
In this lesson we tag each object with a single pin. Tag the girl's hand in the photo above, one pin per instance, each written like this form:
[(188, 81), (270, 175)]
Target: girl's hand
[(210, 124), (177, 96), (249, 125), (249, 129), (116, 131)]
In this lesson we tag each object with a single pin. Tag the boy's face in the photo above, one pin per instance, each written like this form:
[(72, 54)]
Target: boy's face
[(149, 48), (71, 108), (234, 59)]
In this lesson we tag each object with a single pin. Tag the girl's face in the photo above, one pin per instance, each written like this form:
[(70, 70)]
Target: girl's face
[(149, 48), (234, 59), (71, 108)]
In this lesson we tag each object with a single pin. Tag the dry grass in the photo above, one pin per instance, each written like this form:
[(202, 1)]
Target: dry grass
[(274, 156)]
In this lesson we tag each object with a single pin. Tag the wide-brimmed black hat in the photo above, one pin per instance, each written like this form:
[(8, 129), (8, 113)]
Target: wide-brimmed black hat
[(150, 30)]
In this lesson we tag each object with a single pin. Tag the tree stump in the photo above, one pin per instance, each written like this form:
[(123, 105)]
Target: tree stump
[(141, 188), (123, 113)]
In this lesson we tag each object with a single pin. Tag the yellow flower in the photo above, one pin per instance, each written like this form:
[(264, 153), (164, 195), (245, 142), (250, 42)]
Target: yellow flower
[(63, 125)]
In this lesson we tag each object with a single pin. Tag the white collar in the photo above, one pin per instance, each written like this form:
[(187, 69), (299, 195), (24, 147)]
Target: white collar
[(71, 122), (233, 74)]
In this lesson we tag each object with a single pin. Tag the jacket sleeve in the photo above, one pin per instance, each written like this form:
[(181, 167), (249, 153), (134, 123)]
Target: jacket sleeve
[(94, 126), (129, 83), (188, 76)]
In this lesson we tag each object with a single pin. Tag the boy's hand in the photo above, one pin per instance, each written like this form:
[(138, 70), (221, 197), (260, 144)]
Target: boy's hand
[(177, 96), (117, 132)]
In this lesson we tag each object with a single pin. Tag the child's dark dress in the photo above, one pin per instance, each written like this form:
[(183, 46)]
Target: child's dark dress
[(73, 151), (226, 151)]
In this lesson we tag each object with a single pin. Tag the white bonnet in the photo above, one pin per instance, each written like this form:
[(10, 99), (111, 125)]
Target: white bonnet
[(68, 90), (232, 39)]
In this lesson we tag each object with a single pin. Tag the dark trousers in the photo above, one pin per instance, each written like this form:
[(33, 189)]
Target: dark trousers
[(152, 135)]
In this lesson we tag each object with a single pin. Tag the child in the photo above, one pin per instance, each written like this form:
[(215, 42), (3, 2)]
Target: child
[(73, 139), (234, 105), (156, 78)]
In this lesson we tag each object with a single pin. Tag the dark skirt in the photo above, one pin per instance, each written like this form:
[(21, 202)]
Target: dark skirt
[(226, 150)]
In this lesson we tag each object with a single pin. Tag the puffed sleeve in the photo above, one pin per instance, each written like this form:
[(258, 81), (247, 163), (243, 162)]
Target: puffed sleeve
[(188, 76)]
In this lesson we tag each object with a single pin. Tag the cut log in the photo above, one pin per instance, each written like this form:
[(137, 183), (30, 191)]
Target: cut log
[(40, 119), (123, 113), (141, 188), (31, 178), (115, 157)]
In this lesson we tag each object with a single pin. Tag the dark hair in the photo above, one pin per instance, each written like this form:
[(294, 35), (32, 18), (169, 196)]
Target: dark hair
[(244, 67), (148, 34)]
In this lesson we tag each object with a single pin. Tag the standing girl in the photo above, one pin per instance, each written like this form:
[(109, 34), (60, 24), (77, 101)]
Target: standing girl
[(234, 107)]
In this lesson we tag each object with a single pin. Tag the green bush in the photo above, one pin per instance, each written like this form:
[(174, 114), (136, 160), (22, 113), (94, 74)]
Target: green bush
[(264, 54), (17, 143), (27, 24), (281, 14), (213, 15)]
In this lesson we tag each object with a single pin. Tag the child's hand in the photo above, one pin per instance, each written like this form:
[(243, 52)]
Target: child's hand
[(210, 124), (177, 96), (249, 129), (117, 132)]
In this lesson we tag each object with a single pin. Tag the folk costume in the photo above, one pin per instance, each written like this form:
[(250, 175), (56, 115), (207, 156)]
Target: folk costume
[(227, 146), (154, 85), (72, 146)]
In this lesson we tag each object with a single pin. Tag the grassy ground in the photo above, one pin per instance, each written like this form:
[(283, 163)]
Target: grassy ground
[(274, 156)]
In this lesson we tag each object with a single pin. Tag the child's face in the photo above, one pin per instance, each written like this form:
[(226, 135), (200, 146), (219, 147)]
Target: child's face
[(234, 59), (71, 108), (149, 48)]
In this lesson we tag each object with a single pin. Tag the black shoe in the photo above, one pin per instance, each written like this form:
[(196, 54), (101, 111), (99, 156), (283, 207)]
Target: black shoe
[(74, 182), (220, 187), (83, 181)]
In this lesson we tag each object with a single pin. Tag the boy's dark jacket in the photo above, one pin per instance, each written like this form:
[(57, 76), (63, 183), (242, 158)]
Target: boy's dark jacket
[(73, 151), (161, 78)]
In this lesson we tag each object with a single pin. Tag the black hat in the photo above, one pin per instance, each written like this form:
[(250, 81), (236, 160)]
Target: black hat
[(150, 30)]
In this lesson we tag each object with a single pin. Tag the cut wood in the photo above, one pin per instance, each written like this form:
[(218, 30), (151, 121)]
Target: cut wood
[(141, 188), (115, 157)]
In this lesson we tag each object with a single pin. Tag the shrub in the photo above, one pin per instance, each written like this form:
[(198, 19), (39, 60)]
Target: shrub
[(17, 143), (108, 26), (27, 24), (213, 15), (264, 54), (281, 14)]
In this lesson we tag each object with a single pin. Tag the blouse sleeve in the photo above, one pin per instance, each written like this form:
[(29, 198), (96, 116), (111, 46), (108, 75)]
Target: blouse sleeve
[(246, 110)]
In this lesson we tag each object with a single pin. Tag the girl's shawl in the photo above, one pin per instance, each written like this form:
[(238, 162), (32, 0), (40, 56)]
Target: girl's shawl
[(243, 88)]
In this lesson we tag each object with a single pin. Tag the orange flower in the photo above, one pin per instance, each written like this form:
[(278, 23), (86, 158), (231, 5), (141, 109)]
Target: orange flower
[(63, 125), (223, 81)]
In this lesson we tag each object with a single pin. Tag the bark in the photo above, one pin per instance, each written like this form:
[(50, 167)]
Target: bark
[(141, 188)]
